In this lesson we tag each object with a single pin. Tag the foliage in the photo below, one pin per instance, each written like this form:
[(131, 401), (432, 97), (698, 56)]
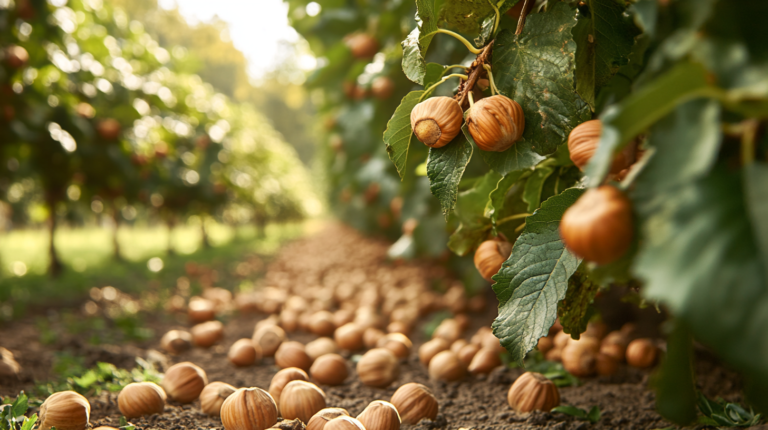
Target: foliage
[(12, 414), (719, 413), (101, 377), (593, 415)]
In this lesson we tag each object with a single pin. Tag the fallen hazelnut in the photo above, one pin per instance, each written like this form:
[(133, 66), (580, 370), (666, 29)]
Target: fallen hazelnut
[(248, 409), (582, 144), (468, 353), (321, 346), (437, 120), (561, 340), (378, 367), (484, 361), (321, 418), (545, 344), (267, 339), (301, 399), (201, 310), (398, 343), (242, 353), (398, 327), (429, 349), (141, 398), (292, 354), (614, 345), (282, 378), (8, 364), (480, 335), (449, 330), (213, 396), (344, 423), (206, 334), (350, 336), (554, 354), (496, 123), (176, 341), (289, 320), (289, 425), (184, 381), (596, 330), (380, 415), (371, 337), (321, 323), (446, 366), (456, 346), (342, 317), (415, 402), (641, 353), (580, 358), (329, 369), (490, 255), (606, 365), (65, 410), (362, 45), (533, 391)]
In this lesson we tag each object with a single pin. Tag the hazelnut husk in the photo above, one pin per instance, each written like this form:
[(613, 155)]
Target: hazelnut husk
[(350, 336), (382, 87), (496, 123), (248, 409), (321, 418), (467, 353), (242, 353), (267, 339), (448, 329), (176, 341), (362, 45), (378, 367), (533, 391), (580, 357), (583, 142), (344, 423), (184, 381), (398, 343), (213, 396), (321, 323), (415, 402), (446, 366), (329, 369), (141, 398), (282, 378), (641, 353), (489, 257), (301, 399), (436, 121), (321, 346), (371, 337), (206, 334), (614, 345), (598, 227), (65, 410), (380, 415), (484, 361), (292, 354)]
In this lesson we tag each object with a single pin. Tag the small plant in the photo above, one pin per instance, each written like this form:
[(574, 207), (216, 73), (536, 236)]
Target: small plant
[(720, 413), (103, 376), (12, 414), (555, 371), (593, 415)]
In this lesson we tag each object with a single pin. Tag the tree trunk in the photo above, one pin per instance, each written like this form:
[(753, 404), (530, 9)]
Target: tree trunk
[(206, 242), (170, 225), (115, 241), (55, 267)]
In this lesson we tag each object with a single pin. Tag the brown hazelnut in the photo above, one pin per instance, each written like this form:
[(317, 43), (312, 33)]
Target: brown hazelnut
[(484, 361), (561, 340), (598, 227), (184, 381), (480, 335), (496, 123), (554, 354), (350, 336), (362, 45), (289, 425), (318, 421), (533, 391), (141, 398), (467, 353), (582, 144), (206, 334), (641, 353), (267, 339), (329, 369), (429, 349), (446, 366), (344, 423), (248, 409), (371, 337), (282, 378), (455, 299), (289, 320), (545, 344), (490, 255), (380, 415), (301, 399), (242, 353), (449, 329), (213, 396), (382, 87), (201, 310), (398, 343), (176, 341), (606, 365), (596, 329), (437, 120), (614, 345), (476, 304), (16, 56), (415, 402), (321, 323), (109, 129), (398, 327), (378, 367), (458, 345), (321, 346), (65, 410), (580, 358), (8, 364), (342, 317)]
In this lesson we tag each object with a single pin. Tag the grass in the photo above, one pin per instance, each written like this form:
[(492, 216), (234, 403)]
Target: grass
[(87, 256)]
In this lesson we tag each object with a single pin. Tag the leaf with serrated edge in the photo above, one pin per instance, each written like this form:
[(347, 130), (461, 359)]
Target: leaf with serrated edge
[(496, 199), (536, 70), (519, 157), (534, 278), (532, 190), (470, 208), (445, 167), (756, 183), (574, 308), (398, 134), (416, 44)]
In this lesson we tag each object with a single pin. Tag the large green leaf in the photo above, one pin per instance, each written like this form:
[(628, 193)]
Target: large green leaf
[(532, 192), (470, 209), (756, 184), (496, 199), (534, 278), (674, 382), (466, 15), (445, 167), (519, 157), (416, 44), (536, 70), (604, 36), (397, 136), (574, 310)]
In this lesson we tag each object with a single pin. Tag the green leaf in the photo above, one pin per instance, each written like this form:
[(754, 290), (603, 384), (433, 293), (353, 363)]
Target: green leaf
[(445, 167), (20, 405), (534, 278), (397, 136), (532, 192), (416, 44), (470, 209), (434, 73), (536, 69), (465, 15), (674, 381), (30, 423), (519, 157), (594, 414), (496, 202), (604, 37), (573, 310), (571, 410), (756, 184)]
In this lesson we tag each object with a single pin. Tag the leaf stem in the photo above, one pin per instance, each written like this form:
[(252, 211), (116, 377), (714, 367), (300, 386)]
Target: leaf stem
[(523, 14), (498, 17), (512, 218), (519, 228), (461, 39), (471, 99), (748, 142), (445, 78), (494, 90), (456, 66)]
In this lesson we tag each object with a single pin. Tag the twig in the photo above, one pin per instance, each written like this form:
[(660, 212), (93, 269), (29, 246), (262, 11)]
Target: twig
[(523, 14), (474, 72)]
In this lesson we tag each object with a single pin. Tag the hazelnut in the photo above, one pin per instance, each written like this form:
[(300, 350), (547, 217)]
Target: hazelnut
[(213, 396), (282, 378), (321, 323), (476, 304), (301, 399), (184, 381), (462, 320), (65, 410), (8, 364), (580, 358), (329, 369), (350, 336), (342, 317), (456, 346), (242, 353), (344, 423), (561, 340), (446, 366), (292, 354), (436, 121), (598, 227), (380, 415), (206, 334), (362, 45), (289, 320), (480, 335), (16, 56), (614, 345), (398, 343), (496, 123), (606, 365), (318, 421), (596, 330), (545, 345), (248, 409), (321, 346), (176, 341), (382, 87), (429, 349), (490, 341), (108, 129), (449, 329), (556, 328), (289, 425), (484, 361), (267, 339), (415, 402), (371, 337), (141, 398), (378, 367), (582, 144), (455, 299), (533, 391), (554, 354), (467, 353), (490, 255), (398, 327), (641, 353)]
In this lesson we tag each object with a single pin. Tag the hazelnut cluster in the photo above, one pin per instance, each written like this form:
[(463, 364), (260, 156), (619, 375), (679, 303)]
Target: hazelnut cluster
[(449, 357)]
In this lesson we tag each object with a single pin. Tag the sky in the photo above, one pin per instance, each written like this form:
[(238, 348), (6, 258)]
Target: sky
[(256, 28)]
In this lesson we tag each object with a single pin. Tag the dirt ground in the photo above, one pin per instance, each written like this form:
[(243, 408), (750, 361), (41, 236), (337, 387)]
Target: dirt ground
[(474, 402)]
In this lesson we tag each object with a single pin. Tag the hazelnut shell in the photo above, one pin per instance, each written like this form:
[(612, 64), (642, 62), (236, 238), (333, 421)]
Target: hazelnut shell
[(141, 398), (302, 400), (380, 415), (213, 396), (533, 391), (415, 402), (489, 257), (65, 410), (183, 382), (329, 369), (496, 123), (436, 121), (378, 367), (248, 409)]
